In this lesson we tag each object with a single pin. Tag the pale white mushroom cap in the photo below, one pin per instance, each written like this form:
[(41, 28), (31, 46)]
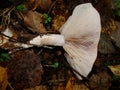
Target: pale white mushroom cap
[(82, 34)]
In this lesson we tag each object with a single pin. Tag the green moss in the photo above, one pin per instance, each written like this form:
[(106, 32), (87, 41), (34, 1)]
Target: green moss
[(117, 8), (4, 57), (21, 7), (114, 77)]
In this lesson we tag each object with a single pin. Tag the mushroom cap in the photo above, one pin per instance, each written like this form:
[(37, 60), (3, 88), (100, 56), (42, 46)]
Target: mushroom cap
[(82, 34), (79, 37)]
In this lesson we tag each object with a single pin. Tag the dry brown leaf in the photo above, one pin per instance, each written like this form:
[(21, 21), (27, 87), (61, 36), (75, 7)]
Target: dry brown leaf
[(116, 34), (3, 78), (25, 70), (33, 20), (115, 69), (70, 84), (44, 4), (34, 4), (58, 21), (110, 28), (31, 4), (41, 87), (100, 81), (105, 45), (80, 87), (61, 86)]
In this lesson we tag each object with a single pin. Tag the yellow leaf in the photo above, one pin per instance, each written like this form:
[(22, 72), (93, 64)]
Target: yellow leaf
[(3, 78), (110, 27), (115, 69), (61, 86), (70, 84), (58, 21)]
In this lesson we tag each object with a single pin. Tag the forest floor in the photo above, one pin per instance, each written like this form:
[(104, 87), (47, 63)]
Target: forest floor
[(40, 68)]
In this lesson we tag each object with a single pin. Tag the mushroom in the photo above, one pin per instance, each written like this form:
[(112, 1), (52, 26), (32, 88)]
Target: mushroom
[(79, 37)]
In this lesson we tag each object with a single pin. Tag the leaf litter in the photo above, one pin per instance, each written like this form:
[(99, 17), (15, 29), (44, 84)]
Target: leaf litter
[(27, 67)]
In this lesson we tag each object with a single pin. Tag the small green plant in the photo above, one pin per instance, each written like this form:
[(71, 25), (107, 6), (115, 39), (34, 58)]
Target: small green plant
[(47, 18), (21, 7), (4, 57), (117, 8), (114, 77), (56, 65)]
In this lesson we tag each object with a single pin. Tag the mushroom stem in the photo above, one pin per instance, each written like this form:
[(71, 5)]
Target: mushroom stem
[(48, 39)]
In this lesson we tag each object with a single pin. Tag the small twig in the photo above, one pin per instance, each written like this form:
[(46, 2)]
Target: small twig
[(10, 86), (54, 81), (7, 9), (19, 14), (52, 6), (6, 17), (12, 39), (9, 14)]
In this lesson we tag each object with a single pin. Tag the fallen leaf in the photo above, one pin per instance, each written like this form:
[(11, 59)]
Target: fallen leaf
[(60, 8), (98, 82), (31, 4), (105, 45), (41, 87), (33, 20), (3, 78), (24, 70), (110, 27), (38, 4), (70, 84), (116, 34), (44, 4), (61, 86), (115, 69), (58, 21), (80, 87)]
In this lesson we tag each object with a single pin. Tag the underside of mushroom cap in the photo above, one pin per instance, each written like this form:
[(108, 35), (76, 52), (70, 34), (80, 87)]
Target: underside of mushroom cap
[(82, 34)]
